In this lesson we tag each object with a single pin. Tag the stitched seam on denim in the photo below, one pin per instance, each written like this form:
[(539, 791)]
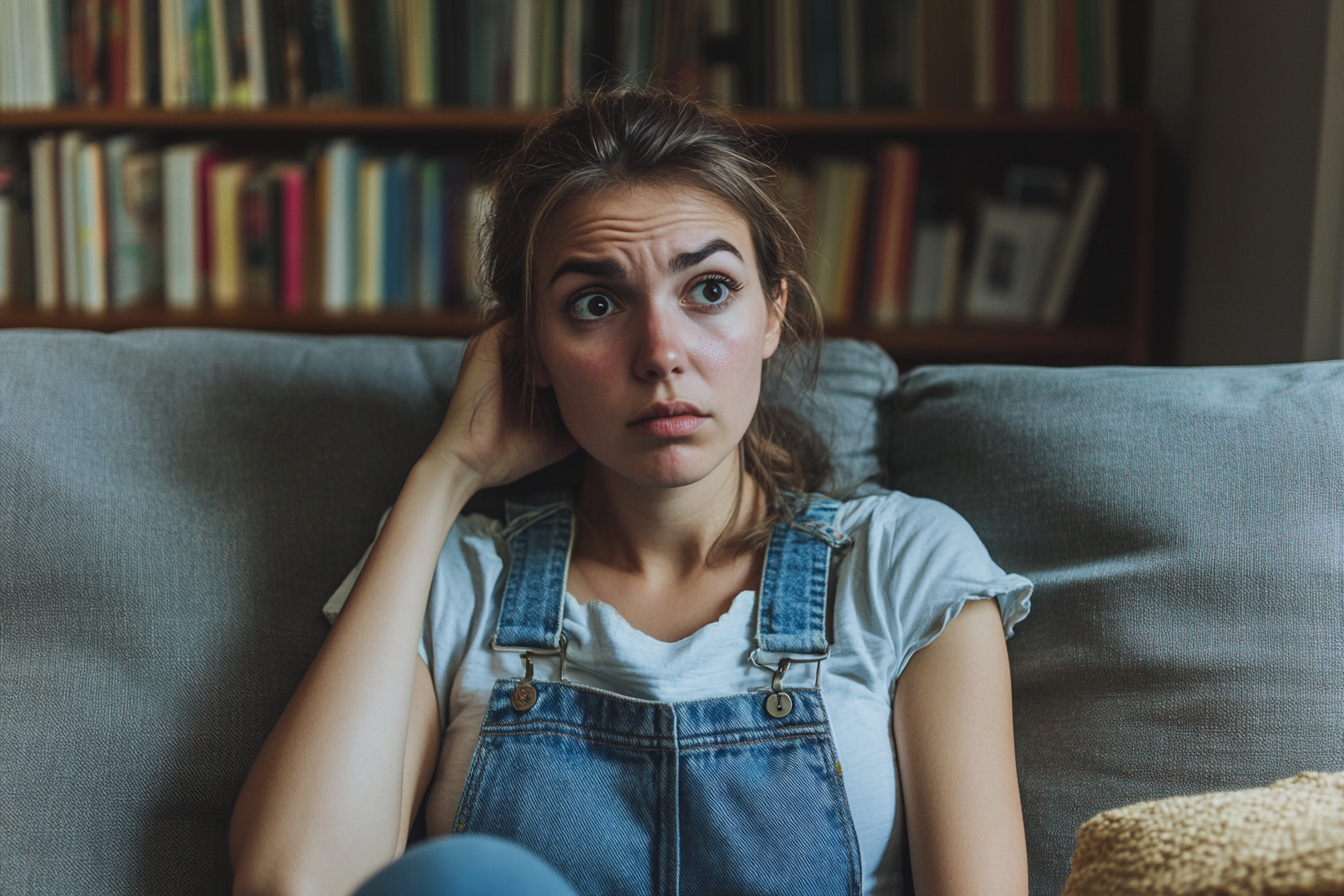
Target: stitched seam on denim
[(648, 745), (476, 775)]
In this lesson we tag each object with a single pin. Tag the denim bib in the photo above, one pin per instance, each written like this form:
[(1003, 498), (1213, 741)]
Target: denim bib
[(740, 794)]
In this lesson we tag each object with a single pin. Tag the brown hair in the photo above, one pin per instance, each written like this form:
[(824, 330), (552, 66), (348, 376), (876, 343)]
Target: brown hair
[(625, 137)]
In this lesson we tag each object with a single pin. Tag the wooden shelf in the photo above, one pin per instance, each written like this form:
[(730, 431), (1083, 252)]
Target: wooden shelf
[(908, 345), (464, 120)]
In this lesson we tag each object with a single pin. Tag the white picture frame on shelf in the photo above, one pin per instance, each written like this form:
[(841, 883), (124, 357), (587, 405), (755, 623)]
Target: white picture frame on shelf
[(1013, 252)]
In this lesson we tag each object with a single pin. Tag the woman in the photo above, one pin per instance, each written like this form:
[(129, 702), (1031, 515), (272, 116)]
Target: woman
[(627, 677)]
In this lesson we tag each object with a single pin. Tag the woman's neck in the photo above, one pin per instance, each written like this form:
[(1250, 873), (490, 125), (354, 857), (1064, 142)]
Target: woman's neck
[(654, 532)]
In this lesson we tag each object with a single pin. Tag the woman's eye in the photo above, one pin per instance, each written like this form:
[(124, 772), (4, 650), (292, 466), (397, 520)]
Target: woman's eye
[(592, 306), (710, 292)]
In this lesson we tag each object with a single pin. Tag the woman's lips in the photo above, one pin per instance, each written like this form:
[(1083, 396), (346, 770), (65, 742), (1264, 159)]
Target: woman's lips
[(669, 427), (668, 419)]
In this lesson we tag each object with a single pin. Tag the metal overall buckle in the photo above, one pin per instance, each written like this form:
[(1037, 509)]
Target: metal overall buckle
[(779, 704), (524, 697)]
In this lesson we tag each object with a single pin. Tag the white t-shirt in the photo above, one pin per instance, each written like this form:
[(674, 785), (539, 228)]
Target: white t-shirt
[(912, 566)]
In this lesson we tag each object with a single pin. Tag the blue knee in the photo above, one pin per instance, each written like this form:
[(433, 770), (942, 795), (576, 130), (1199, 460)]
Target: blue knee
[(466, 865)]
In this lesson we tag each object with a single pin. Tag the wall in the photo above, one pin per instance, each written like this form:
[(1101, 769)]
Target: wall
[(1253, 171)]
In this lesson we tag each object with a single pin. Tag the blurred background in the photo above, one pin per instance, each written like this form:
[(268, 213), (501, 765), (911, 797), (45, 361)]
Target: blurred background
[(1030, 181)]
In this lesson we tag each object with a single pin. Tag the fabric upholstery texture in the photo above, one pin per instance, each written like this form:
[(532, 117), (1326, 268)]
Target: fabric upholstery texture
[(1286, 839), (1185, 531), (175, 506)]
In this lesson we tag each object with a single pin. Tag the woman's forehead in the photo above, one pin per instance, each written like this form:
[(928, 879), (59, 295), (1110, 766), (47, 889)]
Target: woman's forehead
[(645, 220)]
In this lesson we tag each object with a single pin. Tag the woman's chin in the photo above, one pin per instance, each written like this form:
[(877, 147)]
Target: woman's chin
[(667, 468)]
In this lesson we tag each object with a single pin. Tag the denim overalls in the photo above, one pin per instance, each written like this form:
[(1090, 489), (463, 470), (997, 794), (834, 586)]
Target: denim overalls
[(739, 794)]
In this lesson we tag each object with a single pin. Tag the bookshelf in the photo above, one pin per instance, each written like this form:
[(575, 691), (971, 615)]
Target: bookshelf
[(1108, 317)]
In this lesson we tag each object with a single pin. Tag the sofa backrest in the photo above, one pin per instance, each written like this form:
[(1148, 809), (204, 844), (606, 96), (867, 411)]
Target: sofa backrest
[(175, 506), (1185, 531)]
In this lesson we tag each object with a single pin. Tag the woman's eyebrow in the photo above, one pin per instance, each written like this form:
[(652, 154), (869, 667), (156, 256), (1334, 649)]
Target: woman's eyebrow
[(691, 259), (604, 268)]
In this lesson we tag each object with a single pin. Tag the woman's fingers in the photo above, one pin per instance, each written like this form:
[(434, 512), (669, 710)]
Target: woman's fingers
[(487, 427)]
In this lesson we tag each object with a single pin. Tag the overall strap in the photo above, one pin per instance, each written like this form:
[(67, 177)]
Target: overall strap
[(539, 532), (791, 612)]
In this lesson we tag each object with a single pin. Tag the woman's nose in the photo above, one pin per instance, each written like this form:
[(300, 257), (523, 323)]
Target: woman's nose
[(661, 351)]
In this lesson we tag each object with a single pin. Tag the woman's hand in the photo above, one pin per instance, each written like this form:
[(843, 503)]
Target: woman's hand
[(485, 431)]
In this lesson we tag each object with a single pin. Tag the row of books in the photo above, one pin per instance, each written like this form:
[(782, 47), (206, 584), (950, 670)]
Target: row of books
[(881, 259), (788, 54), (117, 222)]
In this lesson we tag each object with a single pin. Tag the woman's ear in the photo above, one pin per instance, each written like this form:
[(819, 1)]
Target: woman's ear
[(774, 323)]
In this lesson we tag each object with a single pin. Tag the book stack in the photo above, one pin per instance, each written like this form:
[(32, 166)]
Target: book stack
[(118, 222), (784, 54), (884, 257)]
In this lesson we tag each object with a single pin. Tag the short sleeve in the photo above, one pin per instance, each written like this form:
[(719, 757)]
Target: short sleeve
[(920, 562)]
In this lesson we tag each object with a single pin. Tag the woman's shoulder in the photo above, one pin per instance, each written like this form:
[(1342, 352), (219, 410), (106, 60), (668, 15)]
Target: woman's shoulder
[(891, 516)]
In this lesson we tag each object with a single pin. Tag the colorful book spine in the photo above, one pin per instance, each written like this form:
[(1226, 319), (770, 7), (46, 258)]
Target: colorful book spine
[(368, 296), (293, 254), (889, 253)]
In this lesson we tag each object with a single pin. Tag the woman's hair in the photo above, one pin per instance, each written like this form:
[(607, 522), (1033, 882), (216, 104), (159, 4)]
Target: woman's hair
[(625, 138)]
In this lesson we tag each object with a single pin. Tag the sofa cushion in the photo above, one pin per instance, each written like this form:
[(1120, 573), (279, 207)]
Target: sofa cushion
[(175, 506), (1185, 531)]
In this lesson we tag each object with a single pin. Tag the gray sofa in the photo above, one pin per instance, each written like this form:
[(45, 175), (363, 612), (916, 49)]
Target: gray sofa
[(176, 505)]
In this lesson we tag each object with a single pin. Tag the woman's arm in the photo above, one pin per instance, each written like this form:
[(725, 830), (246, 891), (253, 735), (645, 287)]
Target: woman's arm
[(330, 797), (954, 743)]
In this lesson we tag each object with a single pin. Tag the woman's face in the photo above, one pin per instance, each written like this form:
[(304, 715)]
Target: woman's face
[(652, 324)]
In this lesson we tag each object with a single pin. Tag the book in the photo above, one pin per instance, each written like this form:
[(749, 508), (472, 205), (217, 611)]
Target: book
[(68, 180), (117, 39), (946, 57), (226, 233), (982, 54), (134, 176), (526, 44), (7, 215), (45, 166), (258, 201), (396, 237), (341, 159), (92, 228), (136, 53), (1108, 54), (1067, 88), (292, 181), (889, 252), (257, 76), (369, 279), (454, 200), (1088, 74), (1013, 252), (889, 40), (1073, 241), (935, 273), (851, 54), (1036, 54), (823, 43), (790, 92), (183, 280), (842, 187), (430, 236)]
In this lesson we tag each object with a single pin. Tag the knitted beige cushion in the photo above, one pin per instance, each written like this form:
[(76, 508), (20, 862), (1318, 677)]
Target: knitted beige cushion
[(1287, 838)]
